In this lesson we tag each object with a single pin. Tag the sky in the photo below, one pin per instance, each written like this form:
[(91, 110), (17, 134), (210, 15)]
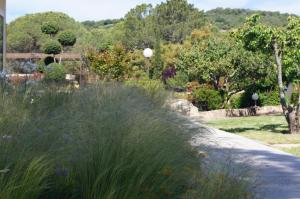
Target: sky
[(83, 10)]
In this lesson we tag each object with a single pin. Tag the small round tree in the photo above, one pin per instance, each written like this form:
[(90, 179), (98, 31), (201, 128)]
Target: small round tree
[(67, 38), (50, 28), (52, 48)]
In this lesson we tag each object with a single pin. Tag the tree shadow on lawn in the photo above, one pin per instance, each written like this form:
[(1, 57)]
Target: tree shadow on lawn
[(275, 128), (272, 128)]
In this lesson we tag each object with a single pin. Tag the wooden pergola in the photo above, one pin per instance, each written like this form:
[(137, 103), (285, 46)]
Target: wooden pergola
[(39, 56)]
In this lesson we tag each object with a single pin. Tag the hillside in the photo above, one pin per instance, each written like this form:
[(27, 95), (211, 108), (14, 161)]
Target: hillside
[(226, 18)]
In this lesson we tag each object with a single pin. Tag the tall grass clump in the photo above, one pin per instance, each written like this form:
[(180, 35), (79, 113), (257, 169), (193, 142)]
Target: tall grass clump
[(106, 141)]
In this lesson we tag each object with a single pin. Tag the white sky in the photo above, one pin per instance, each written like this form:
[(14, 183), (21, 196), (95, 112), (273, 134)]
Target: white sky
[(105, 9)]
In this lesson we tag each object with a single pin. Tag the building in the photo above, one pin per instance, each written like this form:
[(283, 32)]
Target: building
[(2, 33)]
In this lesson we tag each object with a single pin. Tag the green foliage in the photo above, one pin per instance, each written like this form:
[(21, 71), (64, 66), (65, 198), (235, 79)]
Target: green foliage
[(176, 19), (50, 28), (281, 42), (67, 38), (105, 141), (30, 25), (292, 54), (207, 99), (269, 98), (52, 48), (237, 101), (110, 63), (107, 23), (220, 61), (173, 21), (139, 27), (153, 88), (55, 72), (179, 82), (158, 61), (101, 38), (20, 42)]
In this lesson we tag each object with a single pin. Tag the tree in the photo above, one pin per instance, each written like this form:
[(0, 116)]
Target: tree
[(139, 29), (158, 62), (224, 64), (283, 44), (52, 48), (66, 39), (50, 28), (176, 19)]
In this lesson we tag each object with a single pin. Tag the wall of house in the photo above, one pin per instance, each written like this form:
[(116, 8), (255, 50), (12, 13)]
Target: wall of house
[(2, 33)]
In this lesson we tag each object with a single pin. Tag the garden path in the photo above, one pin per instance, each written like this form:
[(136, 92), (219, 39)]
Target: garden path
[(277, 172)]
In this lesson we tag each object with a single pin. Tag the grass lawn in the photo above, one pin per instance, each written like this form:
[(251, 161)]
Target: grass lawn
[(267, 129)]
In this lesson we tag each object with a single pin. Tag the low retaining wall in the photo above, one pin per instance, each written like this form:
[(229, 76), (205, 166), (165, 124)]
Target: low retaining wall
[(187, 108), (223, 113)]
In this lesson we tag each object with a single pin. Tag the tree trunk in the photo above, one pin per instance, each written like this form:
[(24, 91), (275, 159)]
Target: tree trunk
[(293, 120), (291, 115)]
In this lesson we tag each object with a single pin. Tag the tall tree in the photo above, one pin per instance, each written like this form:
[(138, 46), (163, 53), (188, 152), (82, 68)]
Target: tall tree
[(284, 45), (138, 25), (176, 19)]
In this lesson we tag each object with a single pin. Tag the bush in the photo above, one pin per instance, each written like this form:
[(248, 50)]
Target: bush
[(153, 88), (207, 99), (269, 98), (52, 48), (67, 38), (105, 142), (55, 72), (109, 64), (236, 101), (179, 82)]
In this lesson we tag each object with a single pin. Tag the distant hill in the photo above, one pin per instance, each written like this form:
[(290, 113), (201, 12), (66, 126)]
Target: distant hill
[(108, 23), (226, 18)]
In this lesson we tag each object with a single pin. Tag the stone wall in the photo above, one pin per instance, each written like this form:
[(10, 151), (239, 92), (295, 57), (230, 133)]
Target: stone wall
[(187, 108)]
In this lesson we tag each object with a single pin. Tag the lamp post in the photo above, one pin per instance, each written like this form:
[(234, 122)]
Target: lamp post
[(148, 53), (255, 97)]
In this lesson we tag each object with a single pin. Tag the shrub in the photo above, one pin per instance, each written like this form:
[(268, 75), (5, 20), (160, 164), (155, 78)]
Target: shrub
[(153, 88), (269, 98), (193, 85), (207, 99), (55, 72), (236, 101), (110, 63), (67, 38), (179, 82), (52, 48)]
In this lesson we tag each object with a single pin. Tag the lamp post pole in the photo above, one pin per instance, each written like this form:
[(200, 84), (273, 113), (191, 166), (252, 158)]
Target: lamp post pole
[(255, 97), (148, 53)]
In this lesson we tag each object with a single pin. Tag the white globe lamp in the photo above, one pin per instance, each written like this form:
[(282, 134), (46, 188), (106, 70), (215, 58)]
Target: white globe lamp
[(148, 53), (255, 97)]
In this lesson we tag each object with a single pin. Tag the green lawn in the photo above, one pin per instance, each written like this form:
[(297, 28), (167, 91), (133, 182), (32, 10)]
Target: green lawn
[(266, 129)]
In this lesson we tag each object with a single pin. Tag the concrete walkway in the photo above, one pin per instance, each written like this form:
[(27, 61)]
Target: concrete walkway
[(278, 172)]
